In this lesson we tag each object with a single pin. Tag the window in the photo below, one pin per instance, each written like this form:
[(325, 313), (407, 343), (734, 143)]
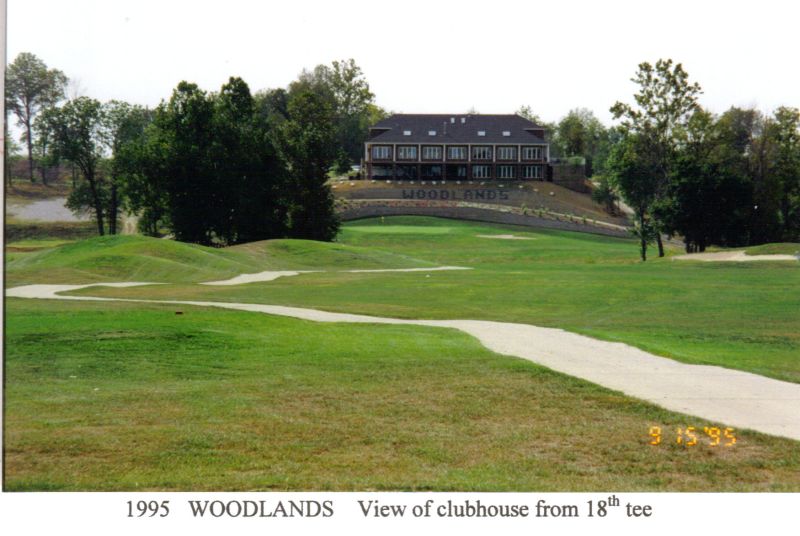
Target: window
[(406, 152), (533, 172), (432, 153), (506, 153), (506, 133), (481, 152), (406, 133), (431, 133), (505, 172), (481, 133), (457, 153), (531, 153), (381, 152), (480, 172)]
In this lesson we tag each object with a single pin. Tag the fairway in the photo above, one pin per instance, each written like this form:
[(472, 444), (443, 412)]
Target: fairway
[(233, 400)]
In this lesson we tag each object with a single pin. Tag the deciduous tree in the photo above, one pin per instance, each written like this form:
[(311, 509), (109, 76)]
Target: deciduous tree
[(30, 87)]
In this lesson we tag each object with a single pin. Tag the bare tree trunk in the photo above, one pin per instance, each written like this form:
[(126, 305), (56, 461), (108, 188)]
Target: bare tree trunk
[(30, 152), (113, 209), (98, 206), (660, 245), (643, 237)]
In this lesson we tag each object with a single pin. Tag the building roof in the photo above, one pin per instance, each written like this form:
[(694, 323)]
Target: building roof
[(456, 128)]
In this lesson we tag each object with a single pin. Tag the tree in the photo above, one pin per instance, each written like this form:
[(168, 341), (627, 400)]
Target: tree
[(785, 131), (580, 133), (308, 142), (709, 196), (30, 87), (79, 135), (126, 124), (664, 102), (633, 173), (605, 194)]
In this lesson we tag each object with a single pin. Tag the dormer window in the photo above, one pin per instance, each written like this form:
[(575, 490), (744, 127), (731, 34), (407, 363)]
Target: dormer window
[(452, 120), (431, 133), (506, 133), (481, 133), (406, 133), (463, 120)]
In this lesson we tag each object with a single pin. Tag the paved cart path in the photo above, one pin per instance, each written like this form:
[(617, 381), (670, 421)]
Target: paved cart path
[(719, 395)]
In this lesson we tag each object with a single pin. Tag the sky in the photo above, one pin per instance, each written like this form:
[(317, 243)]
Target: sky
[(421, 56)]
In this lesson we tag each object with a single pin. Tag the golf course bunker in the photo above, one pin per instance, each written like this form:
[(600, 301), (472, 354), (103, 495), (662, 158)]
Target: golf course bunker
[(504, 236), (271, 276), (734, 256), (728, 396), (256, 278)]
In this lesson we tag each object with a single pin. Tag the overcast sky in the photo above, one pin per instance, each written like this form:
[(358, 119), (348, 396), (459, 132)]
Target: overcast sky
[(421, 56)]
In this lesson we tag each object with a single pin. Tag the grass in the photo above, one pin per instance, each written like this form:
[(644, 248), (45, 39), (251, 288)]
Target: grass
[(786, 248), (133, 397), (736, 315), (120, 396), (137, 258)]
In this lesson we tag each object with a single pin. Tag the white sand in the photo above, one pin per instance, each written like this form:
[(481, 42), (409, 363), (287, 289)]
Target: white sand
[(734, 256), (255, 278), (434, 269), (272, 275), (715, 394), (504, 236)]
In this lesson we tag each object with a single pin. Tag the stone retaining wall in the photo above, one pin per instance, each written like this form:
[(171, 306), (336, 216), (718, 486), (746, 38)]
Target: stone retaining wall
[(354, 211)]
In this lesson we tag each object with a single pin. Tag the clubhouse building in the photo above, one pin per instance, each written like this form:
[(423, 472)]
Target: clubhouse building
[(456, 147)]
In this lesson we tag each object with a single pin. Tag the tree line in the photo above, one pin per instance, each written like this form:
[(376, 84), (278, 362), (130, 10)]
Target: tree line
[(230, 166), (217, 168)]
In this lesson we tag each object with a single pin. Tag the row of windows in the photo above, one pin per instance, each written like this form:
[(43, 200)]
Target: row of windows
[(458, 152), (460, 171)]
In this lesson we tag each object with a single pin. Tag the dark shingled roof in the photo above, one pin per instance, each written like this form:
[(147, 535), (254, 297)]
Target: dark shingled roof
[(458, 132)]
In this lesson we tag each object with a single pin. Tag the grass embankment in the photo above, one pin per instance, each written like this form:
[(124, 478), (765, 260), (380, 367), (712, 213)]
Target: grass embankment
[(118, 396), (736, 315), (137, 258)]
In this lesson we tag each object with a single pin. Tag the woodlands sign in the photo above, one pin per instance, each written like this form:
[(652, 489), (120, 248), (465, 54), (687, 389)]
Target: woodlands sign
[(456, 195)]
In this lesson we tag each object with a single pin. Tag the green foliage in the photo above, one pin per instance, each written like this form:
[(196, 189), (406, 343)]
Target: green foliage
[(31, 87), (605, 194), (308, 144), (580, 133)]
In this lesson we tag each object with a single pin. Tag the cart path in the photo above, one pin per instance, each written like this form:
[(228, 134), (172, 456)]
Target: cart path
[(716, 394)]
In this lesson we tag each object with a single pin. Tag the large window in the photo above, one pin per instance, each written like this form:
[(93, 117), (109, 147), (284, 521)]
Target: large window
[(432, 152), (406, 152), (481, 152), (533, 172), (381, 152), (480, 172), (505, 172), (531, 153), (457, 153), (506, 153)]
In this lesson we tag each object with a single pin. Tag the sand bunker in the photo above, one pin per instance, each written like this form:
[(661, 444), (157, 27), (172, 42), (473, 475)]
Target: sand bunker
[(504, 236), (734, 256), (255, 278), (720, 395), (273, 275)]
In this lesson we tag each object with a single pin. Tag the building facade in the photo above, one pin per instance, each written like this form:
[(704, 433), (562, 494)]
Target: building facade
[(456, 147)]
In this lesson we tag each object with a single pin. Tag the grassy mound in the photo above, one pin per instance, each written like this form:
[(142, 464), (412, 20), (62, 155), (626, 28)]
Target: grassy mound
[(138, 258), (781, 248)]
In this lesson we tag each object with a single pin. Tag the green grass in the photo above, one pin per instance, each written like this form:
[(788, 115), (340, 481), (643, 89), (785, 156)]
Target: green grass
[(736, 315), (785, 248), (133, 397), (121, 396), (138, 258)]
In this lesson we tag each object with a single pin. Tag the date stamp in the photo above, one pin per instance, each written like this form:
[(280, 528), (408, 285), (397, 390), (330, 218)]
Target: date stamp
[(690, 436)]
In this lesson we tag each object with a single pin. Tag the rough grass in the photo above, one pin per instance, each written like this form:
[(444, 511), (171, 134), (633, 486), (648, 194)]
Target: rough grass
[(786, 248), (133, 397)]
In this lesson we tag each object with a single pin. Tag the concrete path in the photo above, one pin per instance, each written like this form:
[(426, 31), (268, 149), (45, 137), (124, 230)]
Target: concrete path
[(716, 394)]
